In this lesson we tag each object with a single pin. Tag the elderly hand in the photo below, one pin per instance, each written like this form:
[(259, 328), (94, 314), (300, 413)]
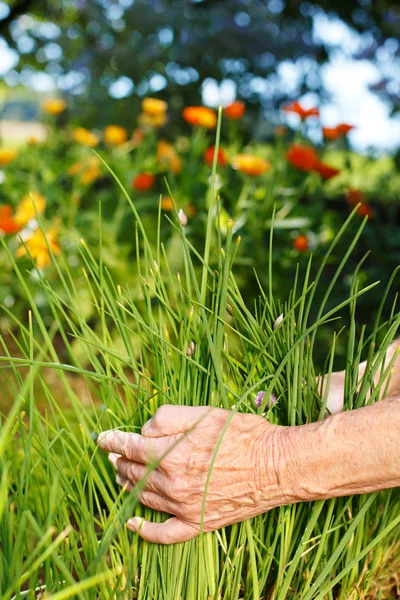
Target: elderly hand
[(244, 480)]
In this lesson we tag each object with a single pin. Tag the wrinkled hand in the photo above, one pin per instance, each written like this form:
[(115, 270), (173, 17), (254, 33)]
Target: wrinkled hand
[(243, 483)]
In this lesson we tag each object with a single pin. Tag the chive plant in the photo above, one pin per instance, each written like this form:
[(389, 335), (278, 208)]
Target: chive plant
[(191, 340)]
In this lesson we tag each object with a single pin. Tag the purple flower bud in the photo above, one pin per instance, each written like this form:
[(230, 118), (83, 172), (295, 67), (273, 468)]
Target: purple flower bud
[(182, 218), (272, 399), (259, 397)]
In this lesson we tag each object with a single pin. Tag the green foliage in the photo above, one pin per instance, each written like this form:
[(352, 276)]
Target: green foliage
[(61, 516)]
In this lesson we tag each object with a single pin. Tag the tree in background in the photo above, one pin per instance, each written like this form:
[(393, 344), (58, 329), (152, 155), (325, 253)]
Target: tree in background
[(108, 54)]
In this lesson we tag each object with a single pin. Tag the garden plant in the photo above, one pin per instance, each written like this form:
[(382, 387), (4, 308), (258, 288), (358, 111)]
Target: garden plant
[(180, 332)]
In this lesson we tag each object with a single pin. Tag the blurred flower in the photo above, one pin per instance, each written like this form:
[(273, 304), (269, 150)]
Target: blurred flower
[(200, 116), (333, 133), (300, 243), (137, 137), (8, 224), (278, 321), (26, 208), (154, 107), (115, 135), (209, 156), (7, 155), (89, 170), (272, 400), (167, 204), (259, 397), (54, 106), (182, 218), (250, 164), (85, 137), (302, 157), (32, 140), (152, 121), (235, 110), (190, 210), (38, 248), (143, 182), (325, 171), (354, 196), (303, 113), (167, 157), (365, 211)]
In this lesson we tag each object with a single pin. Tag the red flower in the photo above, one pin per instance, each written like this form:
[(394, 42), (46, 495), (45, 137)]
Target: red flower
[(334, 133), (235, 110), (143, 182), (209, 157), (303, 113), (302, 157), (324, 170), (300, 243), (365, 211), (8, 224), (354, 197)]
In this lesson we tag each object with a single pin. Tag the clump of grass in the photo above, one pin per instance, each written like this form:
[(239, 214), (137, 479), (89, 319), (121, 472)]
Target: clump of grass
[(61, 514)]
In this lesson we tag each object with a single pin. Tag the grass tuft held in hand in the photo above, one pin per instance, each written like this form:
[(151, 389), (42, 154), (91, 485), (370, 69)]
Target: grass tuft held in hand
[(190, 340)]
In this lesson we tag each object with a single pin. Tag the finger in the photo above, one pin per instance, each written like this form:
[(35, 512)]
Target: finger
[(171, 420), (132, 445), (171, 531), (157, 502), (134, 472), (124, 483)]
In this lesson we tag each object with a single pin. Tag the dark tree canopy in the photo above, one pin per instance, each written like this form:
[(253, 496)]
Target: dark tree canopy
[(108, 54)]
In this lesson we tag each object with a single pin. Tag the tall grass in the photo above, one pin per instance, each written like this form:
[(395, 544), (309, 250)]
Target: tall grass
[(61, 514)]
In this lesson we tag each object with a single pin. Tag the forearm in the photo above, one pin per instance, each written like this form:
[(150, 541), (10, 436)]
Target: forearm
[(353, 452)]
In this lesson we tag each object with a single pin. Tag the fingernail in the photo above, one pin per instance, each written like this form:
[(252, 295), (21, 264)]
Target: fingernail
[(113, 459), (147, 425), (135, 523), (103, 435)]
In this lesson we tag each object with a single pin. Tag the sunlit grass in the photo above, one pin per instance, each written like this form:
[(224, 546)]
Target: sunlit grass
[(61, 514)]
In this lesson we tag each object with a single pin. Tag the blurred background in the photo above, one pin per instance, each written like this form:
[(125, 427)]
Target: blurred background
[(106, 55)]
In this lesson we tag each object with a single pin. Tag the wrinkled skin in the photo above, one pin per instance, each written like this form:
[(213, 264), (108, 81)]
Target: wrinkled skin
[(243, 481)]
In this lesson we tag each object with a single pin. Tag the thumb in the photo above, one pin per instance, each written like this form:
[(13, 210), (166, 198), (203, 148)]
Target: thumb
[(171, 419), (171, 531)]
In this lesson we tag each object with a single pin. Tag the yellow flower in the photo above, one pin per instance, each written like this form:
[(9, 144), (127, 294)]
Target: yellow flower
[(85, 137), (167, 204), (146, 120), (54, 107), (154, 107), (26, 208), (250, 164), (167, 157), (89, 170), (200, 116), (7, 155), (115, 135), (37, 247)]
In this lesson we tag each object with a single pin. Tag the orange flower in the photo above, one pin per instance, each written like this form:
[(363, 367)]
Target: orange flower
[(8, 224), (209, 156), (54, 106), (167, 157), (200, 116), (89, 170), (303, 113), (38, 248), (137, 137), (7, 155), (154, 107), (235, 110), (115, 135), (334, 133), (302, 157), (85, 137), (190, 210), (365, 211), (354, 197), (167, 204), (26, 208), (250, 164), (143, 182), (300, 243), (148, 121), (325, 171)]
